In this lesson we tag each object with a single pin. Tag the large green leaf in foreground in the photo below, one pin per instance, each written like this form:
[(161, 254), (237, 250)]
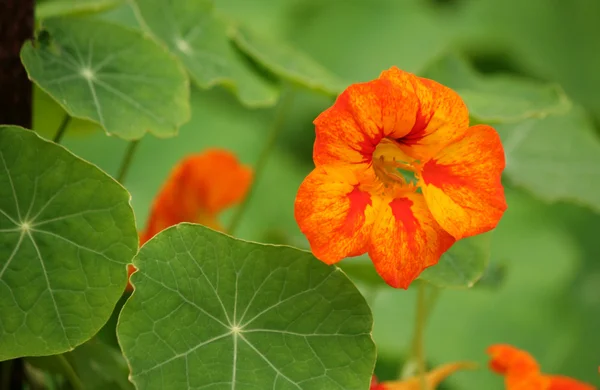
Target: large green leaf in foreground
[(499, 98), (110, 75), (211, 311), (66, 234), (198, 37)]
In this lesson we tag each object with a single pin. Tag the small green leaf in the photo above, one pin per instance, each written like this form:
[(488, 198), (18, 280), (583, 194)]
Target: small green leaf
[(211, 311), (555, 158), (110, 75), (287, 62), (52, 8), (198, 38), (67, 232), (499, 98), (463, 264)]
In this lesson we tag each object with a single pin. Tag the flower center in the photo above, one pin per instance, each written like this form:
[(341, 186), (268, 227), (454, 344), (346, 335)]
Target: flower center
[(394, 167)]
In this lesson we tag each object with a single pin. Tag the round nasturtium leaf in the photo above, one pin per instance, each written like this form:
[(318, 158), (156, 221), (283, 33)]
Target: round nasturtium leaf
[(53, 8), (198, 37), (211, 311), (67, 232), (110, 75), (287, 62)]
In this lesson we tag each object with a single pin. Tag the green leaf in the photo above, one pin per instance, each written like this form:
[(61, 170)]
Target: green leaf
[(110, 75), (462, 265), (287, 62), (198, 38), (67, 232), (52, 8), (555, 158), (223, 313), (499, 98)]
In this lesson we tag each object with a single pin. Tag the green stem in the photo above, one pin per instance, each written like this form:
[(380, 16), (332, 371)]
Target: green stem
[(282, 110), (62, 128), (70, 373), (418, 347), (126, 162)]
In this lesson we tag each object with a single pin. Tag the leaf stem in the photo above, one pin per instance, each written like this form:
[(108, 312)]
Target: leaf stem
[(62, 128), (284, 105), (126, 162), (418, 347), (70, 373)]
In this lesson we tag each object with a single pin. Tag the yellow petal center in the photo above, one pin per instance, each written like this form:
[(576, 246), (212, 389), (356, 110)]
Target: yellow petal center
[(394, 168)]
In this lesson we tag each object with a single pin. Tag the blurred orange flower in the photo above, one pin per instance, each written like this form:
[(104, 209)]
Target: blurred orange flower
[(432, 378), (399, 175), (521, 371), (197, 190)]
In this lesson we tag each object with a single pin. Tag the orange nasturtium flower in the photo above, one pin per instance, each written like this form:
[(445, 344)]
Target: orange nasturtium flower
[(197, 190), (358, 199), (522, 372)]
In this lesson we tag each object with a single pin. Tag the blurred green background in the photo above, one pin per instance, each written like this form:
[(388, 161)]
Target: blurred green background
[(548, 301)]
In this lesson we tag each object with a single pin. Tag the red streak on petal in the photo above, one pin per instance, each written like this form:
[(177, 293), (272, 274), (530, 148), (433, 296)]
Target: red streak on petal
[(359, 201), (439, 175), (402, 212)]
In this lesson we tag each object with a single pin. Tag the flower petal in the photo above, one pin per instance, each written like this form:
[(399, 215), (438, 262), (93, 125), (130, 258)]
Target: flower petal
[(406, 239), (442, 115), (334, 214), (508, 359), (197, 189), (462, 184), (362, 115), (558, 382)]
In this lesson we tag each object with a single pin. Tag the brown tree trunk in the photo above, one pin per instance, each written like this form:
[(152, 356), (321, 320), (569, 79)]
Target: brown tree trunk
[(16, 26)]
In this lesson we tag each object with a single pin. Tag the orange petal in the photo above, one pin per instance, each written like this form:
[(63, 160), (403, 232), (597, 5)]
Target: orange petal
[(442, 115), (462, 183), (362, 115), (334, 214), (406, 239), (197, 189), (532, 380), (558, 382), (506, 358)]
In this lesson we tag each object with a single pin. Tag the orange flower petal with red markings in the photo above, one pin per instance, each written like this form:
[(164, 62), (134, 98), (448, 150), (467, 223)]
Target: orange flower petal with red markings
[(334, 214), (462, 183), (362, 115), (197, 189), (442, 116), (558, 382), (406, 239)]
